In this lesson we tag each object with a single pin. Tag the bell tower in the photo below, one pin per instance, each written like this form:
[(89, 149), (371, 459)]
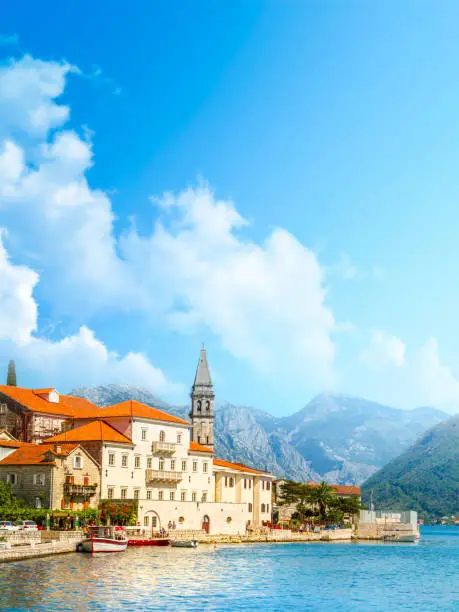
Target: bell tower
[(202, 404)]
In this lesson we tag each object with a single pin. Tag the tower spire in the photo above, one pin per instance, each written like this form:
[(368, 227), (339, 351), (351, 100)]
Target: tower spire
[(202, 403)]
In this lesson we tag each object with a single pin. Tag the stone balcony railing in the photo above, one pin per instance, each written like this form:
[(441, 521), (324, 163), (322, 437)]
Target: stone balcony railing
[(163, 476), (163, 448), (79, 489)]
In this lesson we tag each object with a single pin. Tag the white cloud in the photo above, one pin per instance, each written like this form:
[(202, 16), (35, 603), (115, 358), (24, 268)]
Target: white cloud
[(438, 384), (71, 361), (265, 301), (384, 349)]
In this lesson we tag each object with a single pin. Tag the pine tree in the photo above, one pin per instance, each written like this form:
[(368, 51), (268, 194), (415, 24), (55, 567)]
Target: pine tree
[(11, 378)]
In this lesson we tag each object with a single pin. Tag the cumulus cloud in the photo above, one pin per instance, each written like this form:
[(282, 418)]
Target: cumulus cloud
[(384, 349), (77, 359), (265, 301)]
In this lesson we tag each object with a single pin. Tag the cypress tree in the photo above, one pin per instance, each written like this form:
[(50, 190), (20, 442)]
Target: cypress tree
[(11, 378)]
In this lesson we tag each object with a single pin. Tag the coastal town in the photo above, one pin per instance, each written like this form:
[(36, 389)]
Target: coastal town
[(153, 472)]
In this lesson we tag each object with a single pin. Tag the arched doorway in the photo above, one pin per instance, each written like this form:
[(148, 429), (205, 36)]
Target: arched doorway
[(206, 523), (151, 520)]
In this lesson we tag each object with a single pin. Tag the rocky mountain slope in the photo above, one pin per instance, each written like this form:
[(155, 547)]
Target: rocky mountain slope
[(425, 477), (338, 438)]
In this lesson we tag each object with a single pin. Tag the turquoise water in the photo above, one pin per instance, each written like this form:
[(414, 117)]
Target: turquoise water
[(314, 576)]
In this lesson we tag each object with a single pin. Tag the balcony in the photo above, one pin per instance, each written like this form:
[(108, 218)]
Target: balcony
[(163, 448), (79, 490), (162, 476)]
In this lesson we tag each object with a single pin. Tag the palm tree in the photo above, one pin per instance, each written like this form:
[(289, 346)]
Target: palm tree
[(323, 496)]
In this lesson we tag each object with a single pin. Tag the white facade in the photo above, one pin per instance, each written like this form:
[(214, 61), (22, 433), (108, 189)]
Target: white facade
[(174, 483)]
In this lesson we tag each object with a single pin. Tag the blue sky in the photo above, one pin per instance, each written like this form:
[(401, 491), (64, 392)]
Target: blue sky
[(329, 128)]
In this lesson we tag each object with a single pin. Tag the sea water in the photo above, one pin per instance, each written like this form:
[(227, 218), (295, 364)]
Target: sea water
[(313, 576)]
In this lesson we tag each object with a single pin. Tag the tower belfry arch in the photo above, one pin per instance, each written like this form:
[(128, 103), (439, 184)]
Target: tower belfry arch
[(202, 404)]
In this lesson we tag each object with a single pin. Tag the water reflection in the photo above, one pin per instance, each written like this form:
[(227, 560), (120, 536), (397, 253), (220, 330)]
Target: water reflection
[(266, 577)]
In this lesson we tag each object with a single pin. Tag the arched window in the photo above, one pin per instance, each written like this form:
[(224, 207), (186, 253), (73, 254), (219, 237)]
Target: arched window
[(207, 406), (198, 406), (162, 436), (262, 507)]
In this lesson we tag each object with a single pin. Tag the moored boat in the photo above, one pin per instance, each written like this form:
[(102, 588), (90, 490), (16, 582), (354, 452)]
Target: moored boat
[(105, 539), (184, 543), (148, 542)]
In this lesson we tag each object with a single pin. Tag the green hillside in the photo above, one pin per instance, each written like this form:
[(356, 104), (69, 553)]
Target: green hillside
[(424, 478)]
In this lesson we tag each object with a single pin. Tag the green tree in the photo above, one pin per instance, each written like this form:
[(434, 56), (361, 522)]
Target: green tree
[(11, 377), (324, 497)]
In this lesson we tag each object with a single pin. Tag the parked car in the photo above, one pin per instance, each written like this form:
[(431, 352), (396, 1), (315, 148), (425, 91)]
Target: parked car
[(331, 527), (7, 526), (29, 525)]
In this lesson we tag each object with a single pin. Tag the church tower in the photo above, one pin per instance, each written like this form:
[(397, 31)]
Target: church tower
[(202, 404)]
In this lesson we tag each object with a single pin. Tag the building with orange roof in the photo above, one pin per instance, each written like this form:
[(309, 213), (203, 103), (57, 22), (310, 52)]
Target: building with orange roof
[(160, 462), (52, 475), (32, 415)]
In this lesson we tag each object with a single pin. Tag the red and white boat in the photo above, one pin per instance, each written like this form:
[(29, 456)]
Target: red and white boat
[(105, 539)]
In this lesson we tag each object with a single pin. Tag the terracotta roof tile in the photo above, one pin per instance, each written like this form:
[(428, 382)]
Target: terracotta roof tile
[(31, 454), (240, 467), (11, 443), (341, 489), (128, 409), (67, 405), (194, 446), (93, 431)]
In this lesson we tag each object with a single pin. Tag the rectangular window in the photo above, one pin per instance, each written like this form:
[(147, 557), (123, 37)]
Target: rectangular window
[(149, 463), (39, 479), (250, 507), (110, 492), (183, 496), (111, 458), (124, 461), (148, 493), (183, 466), (171, 495), (195, 466), (136, 493), (160, 495), (245, 483), (12, 478), (179, 438), (172, 465), (204, 496), (263, 485), (161, 465), (226, 481), (154, 522), (77, 462), (250, 484), (123, 493), (204, 468), (146, 521), (137, 461), (267, 507), (3, 408), (268, 486), (199, 439), (144, 434), (194, 496)]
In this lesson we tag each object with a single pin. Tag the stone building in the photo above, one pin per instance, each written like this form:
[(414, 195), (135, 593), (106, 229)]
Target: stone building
[(53, 476), (202, 404), (32, 415)]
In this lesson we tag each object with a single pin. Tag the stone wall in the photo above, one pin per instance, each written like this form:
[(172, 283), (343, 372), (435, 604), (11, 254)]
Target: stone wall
[(377, 531), (26, 487)]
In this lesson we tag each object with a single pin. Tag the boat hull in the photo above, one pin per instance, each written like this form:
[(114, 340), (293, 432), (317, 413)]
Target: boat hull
[(103, 545), (184, 543), (149, 542)]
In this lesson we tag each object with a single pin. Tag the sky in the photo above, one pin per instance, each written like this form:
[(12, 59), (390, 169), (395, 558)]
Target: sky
[(278, 180)]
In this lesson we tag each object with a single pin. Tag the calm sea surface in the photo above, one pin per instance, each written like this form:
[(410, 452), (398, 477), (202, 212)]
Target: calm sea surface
[(314, 576)]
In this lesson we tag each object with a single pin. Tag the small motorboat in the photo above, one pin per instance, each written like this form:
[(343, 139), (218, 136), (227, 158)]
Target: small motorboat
[(148, 542), (184, 543), (105, 539)]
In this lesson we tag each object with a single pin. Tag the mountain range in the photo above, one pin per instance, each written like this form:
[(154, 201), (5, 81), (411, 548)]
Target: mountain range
[(334, 437), (424, 478)]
